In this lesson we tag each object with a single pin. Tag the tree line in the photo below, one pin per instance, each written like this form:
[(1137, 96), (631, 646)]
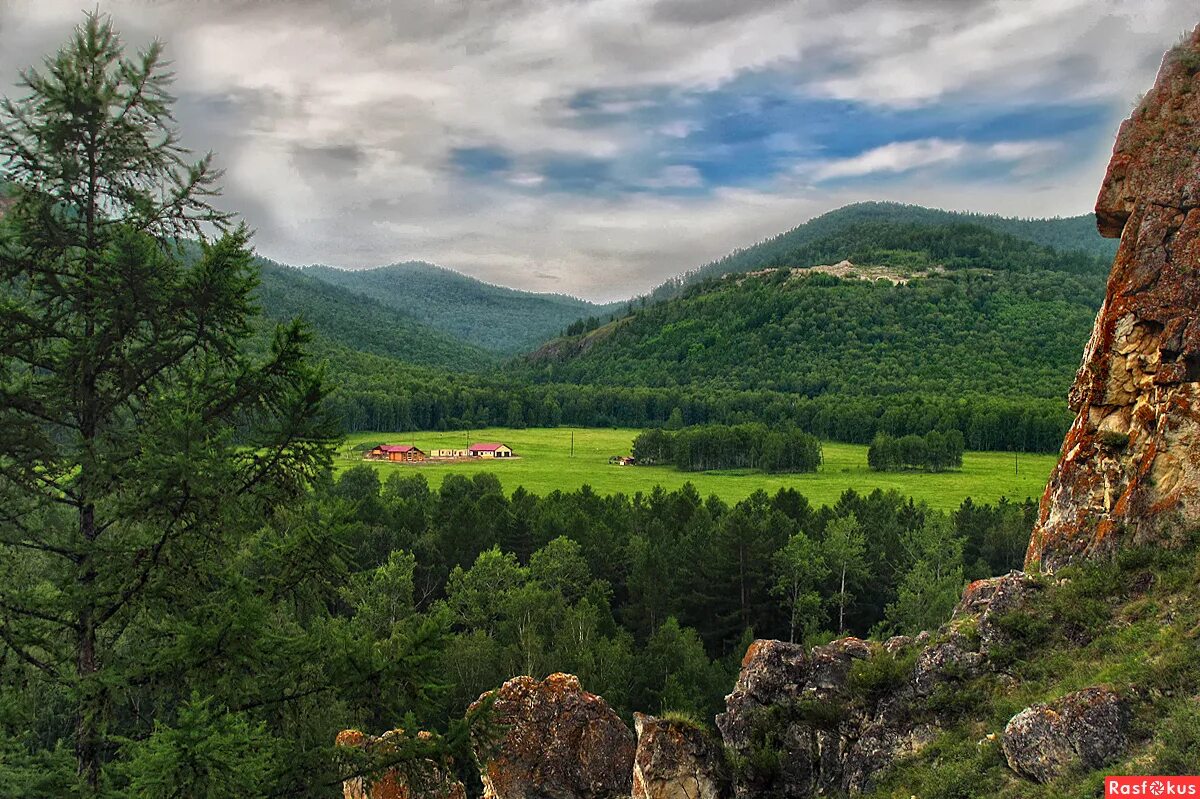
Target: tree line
[(936, 451), (373, 394), (745, 446)]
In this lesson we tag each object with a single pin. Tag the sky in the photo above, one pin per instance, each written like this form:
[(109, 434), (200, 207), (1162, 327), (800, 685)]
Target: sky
[(598, 147)]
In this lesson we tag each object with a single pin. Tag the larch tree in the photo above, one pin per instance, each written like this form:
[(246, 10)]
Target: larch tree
[(138, 441)]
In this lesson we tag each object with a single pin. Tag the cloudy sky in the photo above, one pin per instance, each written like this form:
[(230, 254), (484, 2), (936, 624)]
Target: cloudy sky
[(596, 147)]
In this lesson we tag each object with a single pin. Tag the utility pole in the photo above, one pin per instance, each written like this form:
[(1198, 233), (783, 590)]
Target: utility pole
[(1015, 453), (572, 443)]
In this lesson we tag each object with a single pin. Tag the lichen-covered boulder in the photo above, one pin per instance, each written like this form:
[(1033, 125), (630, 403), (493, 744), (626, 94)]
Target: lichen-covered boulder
[(421, 778), (558, 742), (676, 760), (951, 657), (1087, 729), (988, 601), (1130, 464), (788, 724)]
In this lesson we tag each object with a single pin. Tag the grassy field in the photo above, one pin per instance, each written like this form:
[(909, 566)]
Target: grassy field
[(546, 463)]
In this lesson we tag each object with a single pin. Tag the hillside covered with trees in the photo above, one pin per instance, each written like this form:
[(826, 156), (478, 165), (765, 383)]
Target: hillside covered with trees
[(494, 318), (360, 323), (1068, 234), (961, 312)]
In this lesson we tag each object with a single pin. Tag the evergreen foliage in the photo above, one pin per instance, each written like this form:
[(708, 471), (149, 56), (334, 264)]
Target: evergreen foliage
[(167, 595), (746, 446), (934, 452)]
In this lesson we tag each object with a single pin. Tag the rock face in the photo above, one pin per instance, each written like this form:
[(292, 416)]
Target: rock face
[(1085, 729), (560, 742), (796, 727), (675, 760), (423, 779), (1130, 465), (829, 720)]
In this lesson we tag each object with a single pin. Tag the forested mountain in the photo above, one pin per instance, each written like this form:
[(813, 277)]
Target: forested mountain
[(492, 317), (360, 323), (957, 311), (1077, 233), (981, 312)]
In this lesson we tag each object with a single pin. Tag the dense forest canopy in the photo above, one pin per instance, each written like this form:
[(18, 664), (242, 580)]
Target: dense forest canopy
[(745, 446), (1005, 334)]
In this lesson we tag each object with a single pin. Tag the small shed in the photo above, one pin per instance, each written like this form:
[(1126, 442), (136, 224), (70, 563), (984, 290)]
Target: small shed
[(448, 453), (490, 449)]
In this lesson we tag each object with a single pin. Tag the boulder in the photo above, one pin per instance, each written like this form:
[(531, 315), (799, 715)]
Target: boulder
[(676, 760), (557, 742), (790, 724), (987, 601), (1087, 729), (1130, 464), (423, 778)]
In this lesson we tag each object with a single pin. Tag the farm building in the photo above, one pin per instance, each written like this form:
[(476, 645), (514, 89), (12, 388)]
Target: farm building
[(448, 453), (490, 450), (402, 453)]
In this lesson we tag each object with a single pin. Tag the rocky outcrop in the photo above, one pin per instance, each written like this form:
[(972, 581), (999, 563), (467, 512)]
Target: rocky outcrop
[(1087, 729), (559, 742), (676, 760), (797, 724), (830, 720), (1130, 464), (419, 778)]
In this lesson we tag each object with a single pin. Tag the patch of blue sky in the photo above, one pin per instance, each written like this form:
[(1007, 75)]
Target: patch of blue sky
[(760, 126)]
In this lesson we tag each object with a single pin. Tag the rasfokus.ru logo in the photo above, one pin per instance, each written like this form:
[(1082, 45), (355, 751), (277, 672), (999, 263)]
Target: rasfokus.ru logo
[(1151, 786)]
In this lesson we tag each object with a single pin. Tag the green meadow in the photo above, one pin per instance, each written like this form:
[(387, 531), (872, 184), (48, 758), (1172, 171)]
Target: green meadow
[(545, 463)]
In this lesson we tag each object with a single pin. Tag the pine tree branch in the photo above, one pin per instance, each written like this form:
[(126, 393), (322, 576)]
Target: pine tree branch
[(24, 655)]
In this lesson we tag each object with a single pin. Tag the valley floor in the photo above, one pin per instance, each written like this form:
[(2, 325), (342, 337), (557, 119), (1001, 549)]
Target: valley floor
[(545, 463)]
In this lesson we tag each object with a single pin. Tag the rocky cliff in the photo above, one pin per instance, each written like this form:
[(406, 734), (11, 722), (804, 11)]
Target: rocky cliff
[(1130, 465)]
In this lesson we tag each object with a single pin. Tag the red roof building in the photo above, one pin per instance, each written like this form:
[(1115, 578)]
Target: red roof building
[(404, 453), (490, 449)]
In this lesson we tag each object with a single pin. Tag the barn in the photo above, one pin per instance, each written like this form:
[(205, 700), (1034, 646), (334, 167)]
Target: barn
[(400, 453), (490, 449)]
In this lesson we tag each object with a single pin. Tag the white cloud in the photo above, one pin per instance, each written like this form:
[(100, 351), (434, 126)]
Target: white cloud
[(906, 156)]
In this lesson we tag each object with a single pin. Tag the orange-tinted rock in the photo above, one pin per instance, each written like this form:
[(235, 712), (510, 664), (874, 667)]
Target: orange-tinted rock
[(420, 778), (676, 760), (1130, 464), (559, 742)]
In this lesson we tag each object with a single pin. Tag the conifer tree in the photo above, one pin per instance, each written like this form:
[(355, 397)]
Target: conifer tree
[(138, 442)]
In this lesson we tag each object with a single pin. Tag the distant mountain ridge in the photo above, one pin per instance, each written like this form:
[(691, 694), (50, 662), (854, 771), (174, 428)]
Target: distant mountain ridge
[(494, 318), (429, 316), (354, 321)]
